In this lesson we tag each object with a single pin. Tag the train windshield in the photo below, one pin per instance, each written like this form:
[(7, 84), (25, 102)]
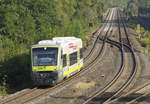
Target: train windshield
[(46, 56)]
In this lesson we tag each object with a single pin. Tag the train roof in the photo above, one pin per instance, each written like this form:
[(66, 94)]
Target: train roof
[(65, 41), (69, 43)]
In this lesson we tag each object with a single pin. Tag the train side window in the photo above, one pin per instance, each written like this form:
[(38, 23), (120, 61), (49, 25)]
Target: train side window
[(73, 58), (64, 60), (81, 53)]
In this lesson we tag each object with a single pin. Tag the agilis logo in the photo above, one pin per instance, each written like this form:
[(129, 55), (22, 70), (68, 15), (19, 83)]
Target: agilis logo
[(73, 46)]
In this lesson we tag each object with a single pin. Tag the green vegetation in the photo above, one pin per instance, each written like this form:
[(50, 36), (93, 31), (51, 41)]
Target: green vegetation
[(25, 22), (144, 39), (138, 7), (116, 3), (3, 86)]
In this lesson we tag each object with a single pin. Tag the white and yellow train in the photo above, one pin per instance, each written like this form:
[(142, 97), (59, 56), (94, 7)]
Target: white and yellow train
[(56, 59)]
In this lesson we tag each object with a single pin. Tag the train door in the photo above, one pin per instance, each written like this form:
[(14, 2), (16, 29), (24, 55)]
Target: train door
[(81, 58), (65, 59), (64, 65), (78, 58), (73, 68)]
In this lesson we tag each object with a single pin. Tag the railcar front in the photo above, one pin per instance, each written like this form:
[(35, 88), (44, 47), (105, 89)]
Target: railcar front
[(44, 61)]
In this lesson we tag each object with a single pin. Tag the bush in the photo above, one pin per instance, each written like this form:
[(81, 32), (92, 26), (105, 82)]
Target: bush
[(143, 44), (3, 86), (25, 22)]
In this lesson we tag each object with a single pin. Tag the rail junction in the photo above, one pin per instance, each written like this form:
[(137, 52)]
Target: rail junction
[(110, 70)]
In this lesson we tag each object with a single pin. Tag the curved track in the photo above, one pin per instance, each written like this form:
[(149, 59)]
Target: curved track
[(101, 91), (134, 70), (42, 92), (134, 95), (121, 46)]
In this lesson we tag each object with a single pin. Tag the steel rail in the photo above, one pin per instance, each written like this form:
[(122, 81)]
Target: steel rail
[(93, 63), (131, 92), (101, 91), (146, 94), (20, 95), (34, 89), (138, 98), (97, 38), (133, 73)]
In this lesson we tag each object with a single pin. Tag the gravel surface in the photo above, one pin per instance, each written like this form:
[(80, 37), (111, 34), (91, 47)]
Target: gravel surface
[(87, 83), (144, 76), (96, 78), (11, 95), (79, 89), (86, 52), (143, 62)]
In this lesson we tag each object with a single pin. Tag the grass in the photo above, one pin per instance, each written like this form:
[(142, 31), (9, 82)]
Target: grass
[(144, 40), (3, 87), (145, 43)]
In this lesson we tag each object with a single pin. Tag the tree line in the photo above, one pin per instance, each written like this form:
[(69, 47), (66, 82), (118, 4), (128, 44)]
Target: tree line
[(25, 22), (138, 7)]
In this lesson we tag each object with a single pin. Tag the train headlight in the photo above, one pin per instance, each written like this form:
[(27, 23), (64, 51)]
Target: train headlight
[(55, 68), (34, 68)]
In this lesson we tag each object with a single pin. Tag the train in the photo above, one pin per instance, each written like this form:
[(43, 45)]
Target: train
[(55, 60)]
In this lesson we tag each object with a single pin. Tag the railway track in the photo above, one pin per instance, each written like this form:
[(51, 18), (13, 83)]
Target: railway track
[(140, 97), (87, 57), (121, 46), (134, 70), (20, 98), (100, 92), (135, 99), (135, 95)]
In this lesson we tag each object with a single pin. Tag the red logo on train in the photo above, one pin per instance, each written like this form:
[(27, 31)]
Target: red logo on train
[(73, 46)]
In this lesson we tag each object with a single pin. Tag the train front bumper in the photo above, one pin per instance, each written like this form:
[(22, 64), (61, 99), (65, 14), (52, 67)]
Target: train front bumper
[(44, 78)]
